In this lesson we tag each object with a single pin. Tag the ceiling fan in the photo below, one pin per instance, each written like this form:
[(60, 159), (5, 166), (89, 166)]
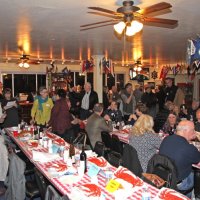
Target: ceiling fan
[(131, 18), (24, 61)]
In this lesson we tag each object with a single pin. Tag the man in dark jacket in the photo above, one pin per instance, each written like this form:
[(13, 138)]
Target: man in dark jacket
[(182, 153), (88, 99), (150, 100)]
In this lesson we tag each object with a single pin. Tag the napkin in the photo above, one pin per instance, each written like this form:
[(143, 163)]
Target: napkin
[(44, 157), (70, 179)]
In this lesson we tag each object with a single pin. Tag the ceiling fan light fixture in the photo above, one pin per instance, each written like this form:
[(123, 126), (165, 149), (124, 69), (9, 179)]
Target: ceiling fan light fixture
[(119, 27), (21, 64), (26, 65), (139, 69), (134, 28)]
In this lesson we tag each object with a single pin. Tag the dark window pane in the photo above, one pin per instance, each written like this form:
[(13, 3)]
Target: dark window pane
[(7, 81), (120, 81), (104, 80), (90, 78), (24, 83), (110, 81), (80, 80), (41, 80)]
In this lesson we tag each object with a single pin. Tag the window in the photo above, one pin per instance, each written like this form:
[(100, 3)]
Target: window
[(120, 81), (41, 80), (80, 79), (7, 81), (24, 83)]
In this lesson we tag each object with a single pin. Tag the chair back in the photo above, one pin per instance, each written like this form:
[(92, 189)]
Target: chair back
[(15, 182), (131, 161), (41, 183), (117, 145), (114, 158), (106, 139), (165, 168), (82, 140), (52, 194), (99, 148)]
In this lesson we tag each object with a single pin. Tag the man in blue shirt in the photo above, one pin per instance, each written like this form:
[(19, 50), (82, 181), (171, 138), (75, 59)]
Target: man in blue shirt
[(184, 154)]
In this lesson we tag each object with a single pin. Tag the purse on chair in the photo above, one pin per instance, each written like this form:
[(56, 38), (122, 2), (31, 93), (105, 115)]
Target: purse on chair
[(153, 179)]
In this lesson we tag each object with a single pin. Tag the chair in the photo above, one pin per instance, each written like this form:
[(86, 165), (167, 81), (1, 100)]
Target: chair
[(117, 145), (52, 194), (114, 158), (32, 190), (106, 139), (15, 182), (165, 168), (130, 160), (99, 148), (82, 139), (41, 183), (196, 183)]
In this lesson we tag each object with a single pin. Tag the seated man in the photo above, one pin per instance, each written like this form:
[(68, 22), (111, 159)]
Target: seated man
[(197, 123), (96, 124), (178, 149), (113, 112)]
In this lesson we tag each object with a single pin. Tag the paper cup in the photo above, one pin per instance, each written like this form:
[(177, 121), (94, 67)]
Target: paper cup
[(15, 133)]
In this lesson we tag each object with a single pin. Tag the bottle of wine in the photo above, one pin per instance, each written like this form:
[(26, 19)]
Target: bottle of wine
[(83, 160), (35, 132)]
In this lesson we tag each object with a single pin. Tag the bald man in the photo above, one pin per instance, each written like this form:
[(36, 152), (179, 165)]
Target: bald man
[(184, 154)]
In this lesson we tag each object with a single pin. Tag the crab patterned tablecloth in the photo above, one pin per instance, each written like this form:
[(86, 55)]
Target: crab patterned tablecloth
[(65, 188)]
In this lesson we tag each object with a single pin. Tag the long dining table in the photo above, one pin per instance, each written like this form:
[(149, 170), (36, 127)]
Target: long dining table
[(67, 184)]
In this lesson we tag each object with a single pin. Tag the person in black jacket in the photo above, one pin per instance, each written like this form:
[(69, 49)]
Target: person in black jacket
[(10, 107), (150, 100), (182, 153), (88, 99)]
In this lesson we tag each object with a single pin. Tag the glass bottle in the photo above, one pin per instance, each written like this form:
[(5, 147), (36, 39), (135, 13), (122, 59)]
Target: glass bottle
[(71, 150), (83, 160)]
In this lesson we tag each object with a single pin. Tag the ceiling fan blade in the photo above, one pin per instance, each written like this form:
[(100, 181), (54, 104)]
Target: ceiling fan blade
[(106, 15), (112, 20), (155, 8), (84, 29), (103, 10), (161, 21)]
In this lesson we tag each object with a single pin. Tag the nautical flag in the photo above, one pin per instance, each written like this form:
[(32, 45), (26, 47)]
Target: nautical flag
[(107, 66), (176, 69), (87, 65), (193, 51), (164, 72)]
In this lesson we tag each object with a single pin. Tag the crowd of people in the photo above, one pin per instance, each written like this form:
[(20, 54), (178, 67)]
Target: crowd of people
[(151, 113)]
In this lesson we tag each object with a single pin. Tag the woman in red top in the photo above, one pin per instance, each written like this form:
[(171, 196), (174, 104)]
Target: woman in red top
[(61, 118)]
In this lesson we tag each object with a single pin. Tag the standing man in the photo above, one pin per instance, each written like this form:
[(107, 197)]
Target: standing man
[(138, 93), (150, 100), (128, 100), (173, 93), (88, 99), (182, 153)]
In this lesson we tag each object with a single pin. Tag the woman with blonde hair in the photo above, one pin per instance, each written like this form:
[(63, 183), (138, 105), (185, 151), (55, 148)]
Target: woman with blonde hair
[(144, 139)]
